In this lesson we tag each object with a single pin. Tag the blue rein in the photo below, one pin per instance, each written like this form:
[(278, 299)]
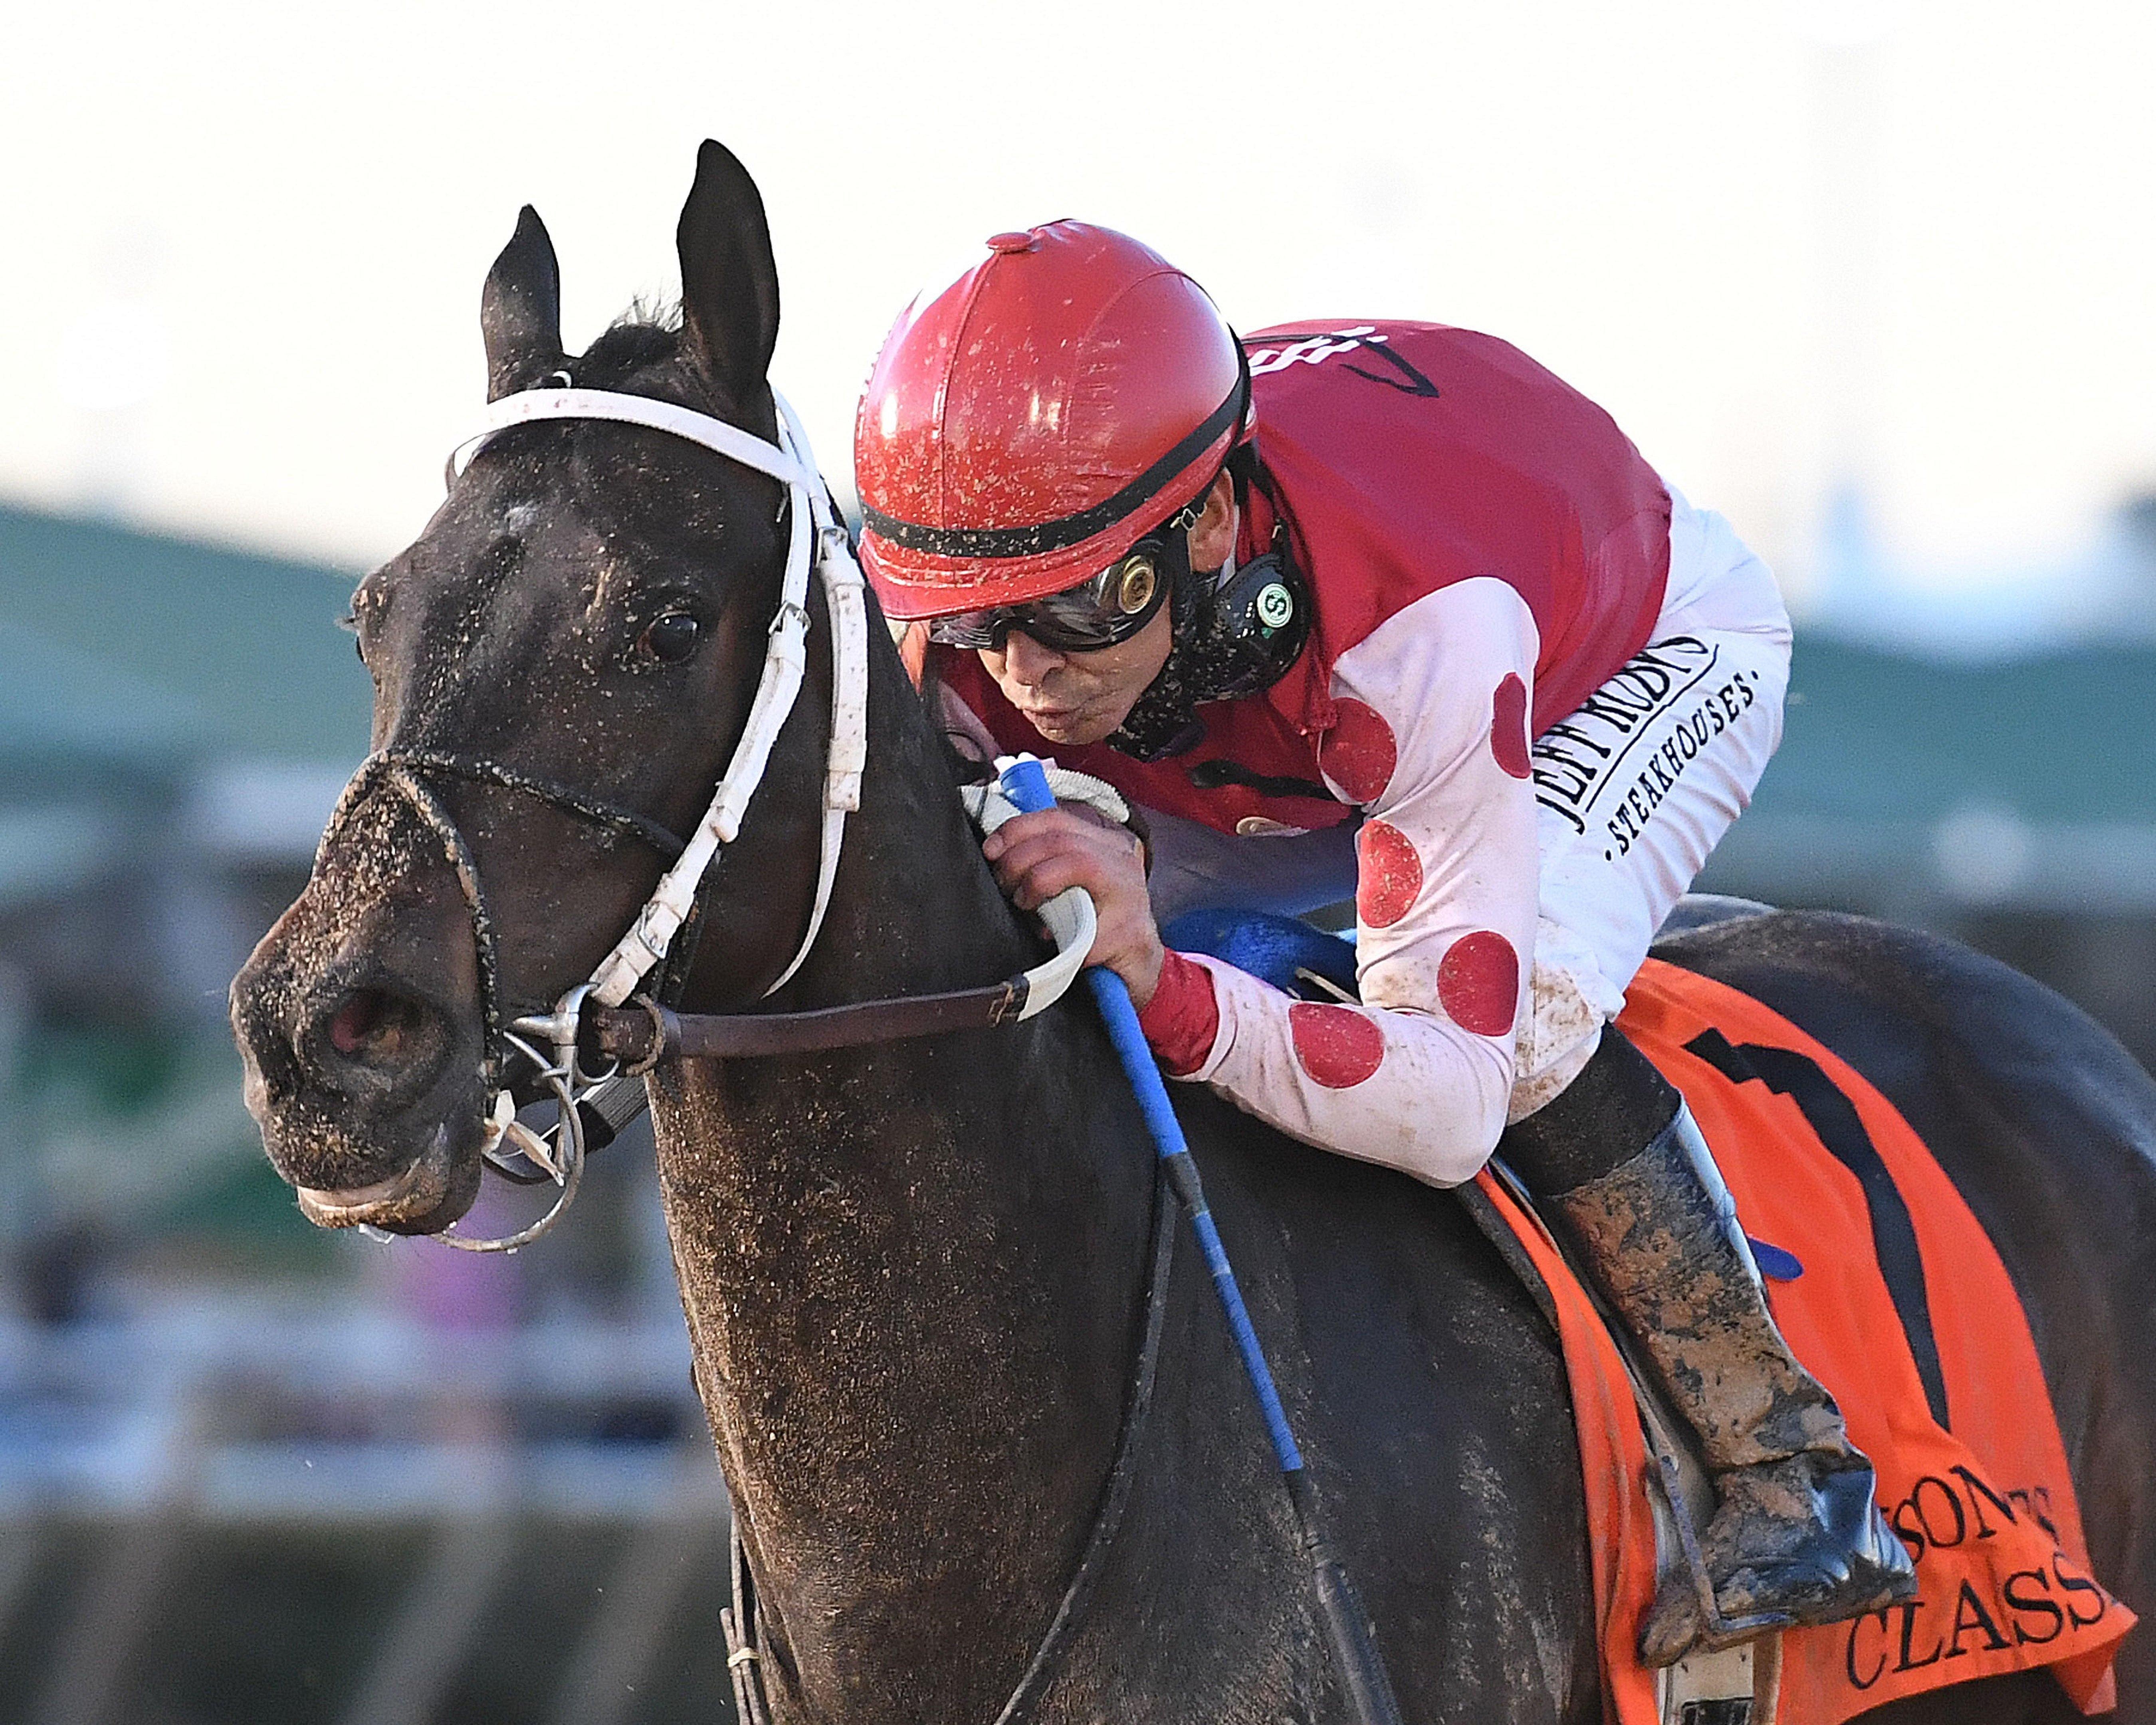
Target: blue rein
[(1026, 786)]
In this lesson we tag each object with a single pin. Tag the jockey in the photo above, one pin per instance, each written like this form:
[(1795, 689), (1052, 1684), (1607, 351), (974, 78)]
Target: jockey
[(1381, 609)]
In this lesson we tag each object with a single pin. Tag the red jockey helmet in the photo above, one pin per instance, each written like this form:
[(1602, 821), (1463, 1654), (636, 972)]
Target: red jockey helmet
[(1026, 426)]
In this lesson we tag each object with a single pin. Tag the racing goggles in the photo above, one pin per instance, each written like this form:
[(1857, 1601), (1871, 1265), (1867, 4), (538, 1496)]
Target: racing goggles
[(1111, 607)]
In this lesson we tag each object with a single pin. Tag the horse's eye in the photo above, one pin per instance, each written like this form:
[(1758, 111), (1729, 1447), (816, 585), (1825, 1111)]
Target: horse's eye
[(671, 638)]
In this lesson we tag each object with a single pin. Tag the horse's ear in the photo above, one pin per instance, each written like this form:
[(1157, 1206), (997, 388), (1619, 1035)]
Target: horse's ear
[(729, 282), (520, 310)]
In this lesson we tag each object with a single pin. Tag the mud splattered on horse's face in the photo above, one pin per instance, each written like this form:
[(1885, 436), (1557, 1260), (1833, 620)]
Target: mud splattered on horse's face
[(586, 611), (362, 1059), (585, 614)]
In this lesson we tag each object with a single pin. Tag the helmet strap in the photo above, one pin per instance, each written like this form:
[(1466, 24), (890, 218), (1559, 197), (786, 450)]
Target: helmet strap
[(1237, 632)]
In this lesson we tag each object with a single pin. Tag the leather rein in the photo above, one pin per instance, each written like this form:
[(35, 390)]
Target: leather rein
[(637, 1037)]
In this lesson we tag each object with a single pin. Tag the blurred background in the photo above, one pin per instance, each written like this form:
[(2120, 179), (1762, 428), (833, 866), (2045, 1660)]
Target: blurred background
[(1871, 279)]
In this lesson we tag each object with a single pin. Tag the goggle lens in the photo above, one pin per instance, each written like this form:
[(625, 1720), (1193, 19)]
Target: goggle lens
[(1111, 607)]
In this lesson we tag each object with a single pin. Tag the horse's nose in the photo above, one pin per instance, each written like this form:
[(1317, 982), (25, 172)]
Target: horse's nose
[(361, 1036), (375, 1042)]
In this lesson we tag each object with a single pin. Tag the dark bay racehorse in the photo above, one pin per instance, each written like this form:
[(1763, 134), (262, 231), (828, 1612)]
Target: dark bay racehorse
[(914, 1272)]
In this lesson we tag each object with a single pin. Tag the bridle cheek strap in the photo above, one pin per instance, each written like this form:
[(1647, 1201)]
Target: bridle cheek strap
[(845, 602), (814, 535)]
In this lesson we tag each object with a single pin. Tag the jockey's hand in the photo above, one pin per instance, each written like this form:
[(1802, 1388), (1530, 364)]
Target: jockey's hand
[(1036, 856)]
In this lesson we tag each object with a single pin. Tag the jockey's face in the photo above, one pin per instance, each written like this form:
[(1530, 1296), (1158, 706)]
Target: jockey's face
[(1076, 698)]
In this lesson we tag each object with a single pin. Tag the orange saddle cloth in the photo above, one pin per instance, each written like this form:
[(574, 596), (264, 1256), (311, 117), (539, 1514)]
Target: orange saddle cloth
[(1905, 1312)]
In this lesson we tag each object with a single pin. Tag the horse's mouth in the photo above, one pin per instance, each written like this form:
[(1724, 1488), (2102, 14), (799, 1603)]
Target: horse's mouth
[(425, 1198)]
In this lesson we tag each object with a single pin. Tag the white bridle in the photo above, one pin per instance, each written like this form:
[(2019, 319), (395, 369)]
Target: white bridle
[(815, 536), (811, 524)]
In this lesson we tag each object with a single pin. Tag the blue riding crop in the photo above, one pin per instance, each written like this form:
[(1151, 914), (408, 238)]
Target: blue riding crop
[(1026, 786)]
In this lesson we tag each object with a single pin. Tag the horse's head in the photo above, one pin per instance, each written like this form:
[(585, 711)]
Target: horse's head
[(563, 662)]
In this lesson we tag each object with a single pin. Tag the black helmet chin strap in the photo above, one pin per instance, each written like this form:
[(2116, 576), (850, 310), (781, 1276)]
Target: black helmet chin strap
[(1234, 636)]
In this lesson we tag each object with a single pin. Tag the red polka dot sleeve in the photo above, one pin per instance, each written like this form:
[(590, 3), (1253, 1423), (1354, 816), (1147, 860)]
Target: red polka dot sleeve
[(1431, 740)]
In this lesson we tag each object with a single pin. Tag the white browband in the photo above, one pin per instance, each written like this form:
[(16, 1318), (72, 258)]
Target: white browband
[(812, 526), (731, 441)]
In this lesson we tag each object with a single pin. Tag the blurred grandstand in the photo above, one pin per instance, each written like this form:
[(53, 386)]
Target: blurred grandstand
[(250, 1471)]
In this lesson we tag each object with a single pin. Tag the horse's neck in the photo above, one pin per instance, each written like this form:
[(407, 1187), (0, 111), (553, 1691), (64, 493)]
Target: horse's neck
[(909, 1273)]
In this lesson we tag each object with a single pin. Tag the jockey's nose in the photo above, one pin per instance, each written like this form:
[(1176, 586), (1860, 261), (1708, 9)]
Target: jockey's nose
[(1027, 660)]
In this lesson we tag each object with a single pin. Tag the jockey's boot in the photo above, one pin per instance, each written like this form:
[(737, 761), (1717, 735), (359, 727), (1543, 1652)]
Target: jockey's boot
[(1795, 1537)]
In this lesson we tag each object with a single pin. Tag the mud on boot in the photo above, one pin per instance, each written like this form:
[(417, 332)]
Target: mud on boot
[(1799, 1540), (1796, 1537)]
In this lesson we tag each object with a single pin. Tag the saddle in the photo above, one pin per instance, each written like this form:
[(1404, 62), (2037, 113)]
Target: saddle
[(1855, 1227)]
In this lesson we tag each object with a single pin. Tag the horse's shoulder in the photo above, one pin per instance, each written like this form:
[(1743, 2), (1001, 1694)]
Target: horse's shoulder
[(1387, 1281), (1430, 1391)]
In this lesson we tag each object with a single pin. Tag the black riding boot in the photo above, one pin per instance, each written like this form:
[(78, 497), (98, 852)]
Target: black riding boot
[(1623, 1175)]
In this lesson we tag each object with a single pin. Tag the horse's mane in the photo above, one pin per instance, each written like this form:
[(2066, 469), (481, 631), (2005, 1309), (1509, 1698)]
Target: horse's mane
[(648, 333), (967, 766)]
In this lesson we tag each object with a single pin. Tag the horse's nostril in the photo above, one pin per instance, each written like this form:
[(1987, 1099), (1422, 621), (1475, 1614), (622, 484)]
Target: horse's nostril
[(369, 1022)]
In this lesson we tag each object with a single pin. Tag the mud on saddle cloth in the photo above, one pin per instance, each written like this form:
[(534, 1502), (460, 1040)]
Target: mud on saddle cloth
[(1905, 1312)]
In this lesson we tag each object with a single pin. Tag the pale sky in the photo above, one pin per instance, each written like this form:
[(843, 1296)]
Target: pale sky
[(241, 246)]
